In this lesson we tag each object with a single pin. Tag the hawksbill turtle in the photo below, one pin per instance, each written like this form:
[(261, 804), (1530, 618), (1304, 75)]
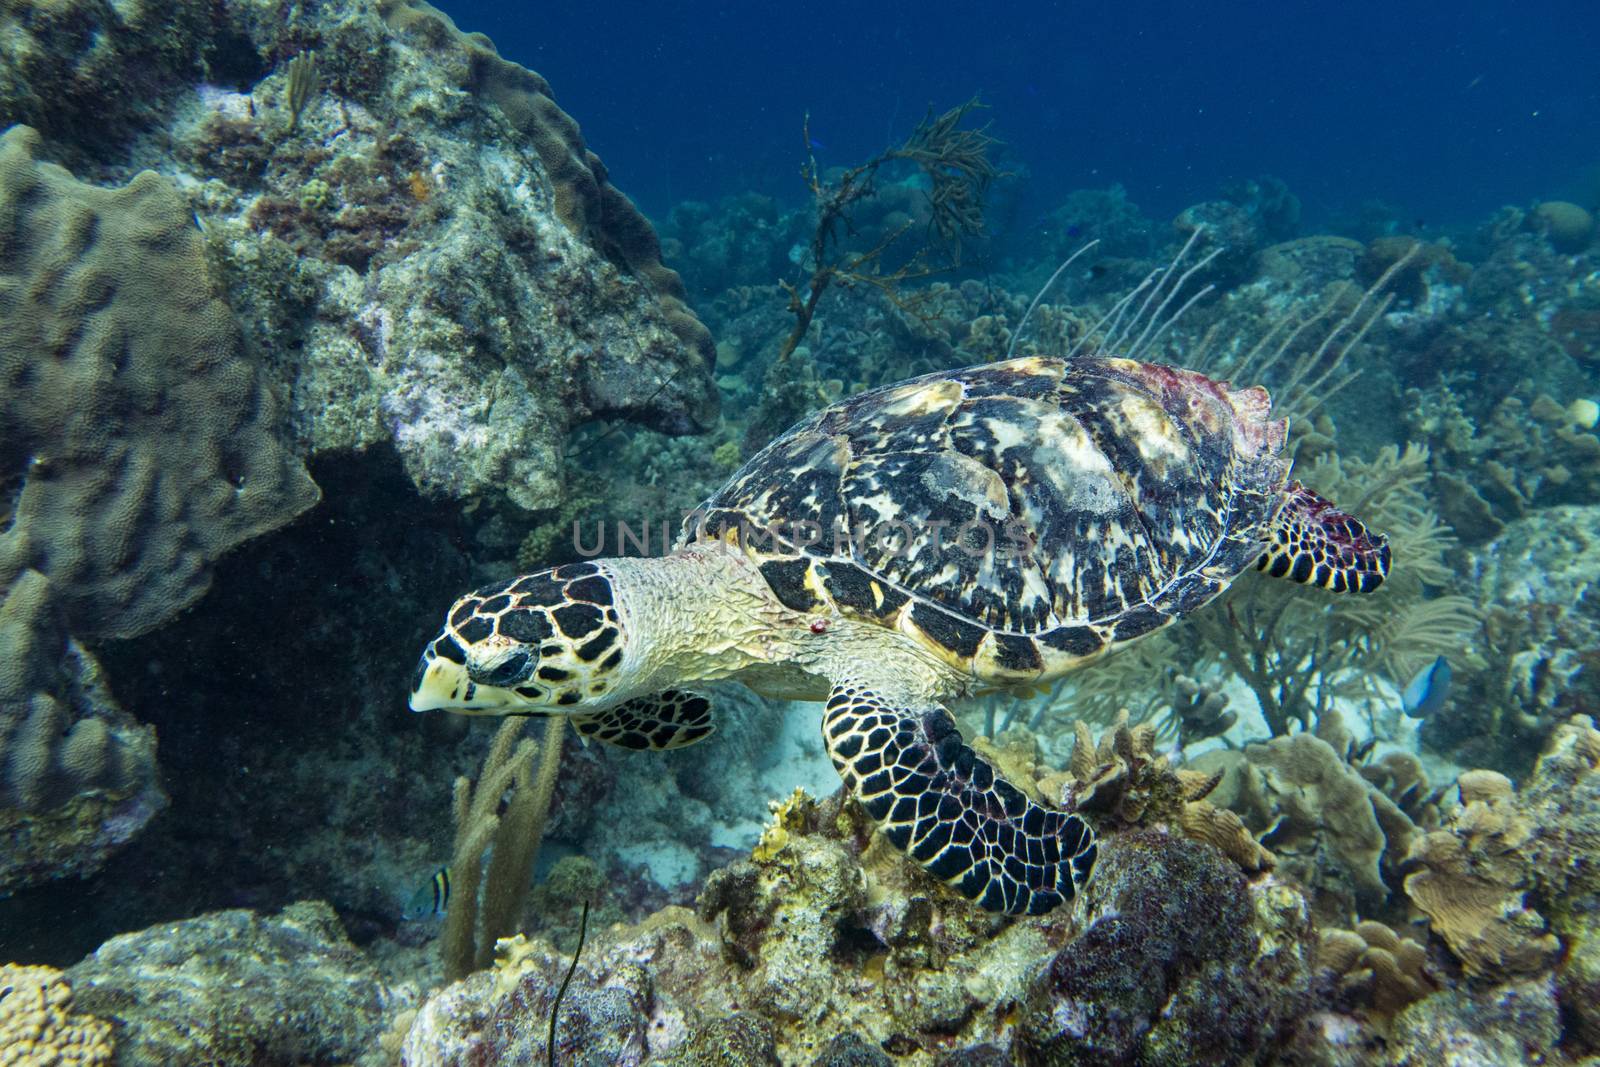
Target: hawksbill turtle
[(979, 529)]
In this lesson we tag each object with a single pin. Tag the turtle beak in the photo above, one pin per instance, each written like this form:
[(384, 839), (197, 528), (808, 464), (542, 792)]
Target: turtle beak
[(439, 684), (445, 685)]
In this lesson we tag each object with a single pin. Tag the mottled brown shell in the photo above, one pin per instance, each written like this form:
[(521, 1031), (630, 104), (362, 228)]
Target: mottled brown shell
[(1117, 496)]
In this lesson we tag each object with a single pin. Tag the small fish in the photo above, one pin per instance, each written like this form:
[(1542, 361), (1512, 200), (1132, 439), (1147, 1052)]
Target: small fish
[(431, 898), (1426, 693), (1075, 230), (815, 145)]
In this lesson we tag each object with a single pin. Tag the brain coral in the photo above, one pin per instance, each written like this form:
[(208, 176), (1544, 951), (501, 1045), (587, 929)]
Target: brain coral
[(136, 439)]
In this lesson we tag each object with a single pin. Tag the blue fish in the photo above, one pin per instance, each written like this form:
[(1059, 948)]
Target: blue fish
[(1426, 693), (431, 898)]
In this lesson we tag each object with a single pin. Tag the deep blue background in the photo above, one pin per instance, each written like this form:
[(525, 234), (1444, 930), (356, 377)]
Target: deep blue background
[(1446, 109)]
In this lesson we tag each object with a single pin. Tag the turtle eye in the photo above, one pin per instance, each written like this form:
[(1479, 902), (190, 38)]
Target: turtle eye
[(514, 668)]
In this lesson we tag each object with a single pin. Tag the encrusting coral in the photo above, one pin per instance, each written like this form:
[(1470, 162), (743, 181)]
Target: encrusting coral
[(1473, 876), (38, 1026)]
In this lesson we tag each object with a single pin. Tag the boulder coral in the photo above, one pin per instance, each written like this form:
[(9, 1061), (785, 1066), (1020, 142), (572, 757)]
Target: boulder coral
[(138, 435), (238, 987), (78, 775)]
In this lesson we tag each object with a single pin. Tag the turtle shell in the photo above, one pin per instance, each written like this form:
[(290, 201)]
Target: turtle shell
[(1020, 516)]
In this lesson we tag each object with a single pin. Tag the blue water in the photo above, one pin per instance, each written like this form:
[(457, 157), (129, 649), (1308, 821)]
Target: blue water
[(1446, 110)]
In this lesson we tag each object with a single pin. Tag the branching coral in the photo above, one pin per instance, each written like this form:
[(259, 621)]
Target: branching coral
[(514, 833), (1124, 783), (955, 162), (1299, 654)]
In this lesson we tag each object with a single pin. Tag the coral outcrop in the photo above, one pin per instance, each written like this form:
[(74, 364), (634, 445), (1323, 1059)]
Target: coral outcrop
[(78, 775), (136, 438), (1374, 966), (137, 446), (1539, 580), (1472, 877), (236, 988), (1182, 962), (1123, 781), (417, 238)]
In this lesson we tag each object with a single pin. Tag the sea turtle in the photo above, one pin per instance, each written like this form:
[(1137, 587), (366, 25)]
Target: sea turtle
[(977, 529)]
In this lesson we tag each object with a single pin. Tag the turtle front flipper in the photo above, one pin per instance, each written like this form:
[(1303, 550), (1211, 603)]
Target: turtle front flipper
[(1315, 543), (673, 718), (937, 800)]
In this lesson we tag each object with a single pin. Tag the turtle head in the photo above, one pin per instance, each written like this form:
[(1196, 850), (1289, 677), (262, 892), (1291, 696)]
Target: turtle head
[(547, 641)]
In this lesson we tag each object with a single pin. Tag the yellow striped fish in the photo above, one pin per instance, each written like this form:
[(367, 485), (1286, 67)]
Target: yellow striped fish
[(431, 898)]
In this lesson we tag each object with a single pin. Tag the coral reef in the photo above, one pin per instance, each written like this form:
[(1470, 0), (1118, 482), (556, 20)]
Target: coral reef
[(1471, 876), (235, 987), (821, 932), (441, 307), (1540, 629)]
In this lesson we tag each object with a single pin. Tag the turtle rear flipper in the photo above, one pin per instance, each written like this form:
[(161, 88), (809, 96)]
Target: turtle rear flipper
[(1313, 542), (938, 801), (673, 718)]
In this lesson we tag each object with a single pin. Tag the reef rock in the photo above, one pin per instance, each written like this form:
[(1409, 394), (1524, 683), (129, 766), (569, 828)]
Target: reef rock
[(237, 988), (1541, 577), (415, 237), (1182, 962), (1507, 1026)]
